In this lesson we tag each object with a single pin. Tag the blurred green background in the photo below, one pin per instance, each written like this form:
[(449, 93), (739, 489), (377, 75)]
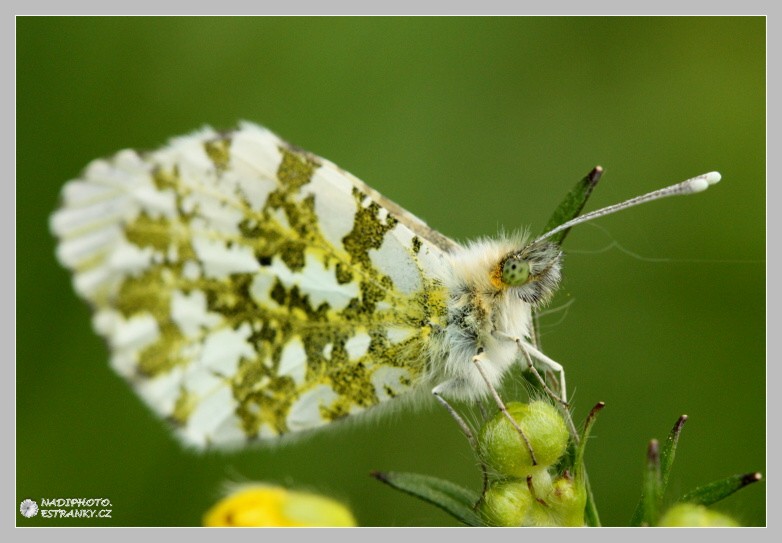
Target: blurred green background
[(473, 124)]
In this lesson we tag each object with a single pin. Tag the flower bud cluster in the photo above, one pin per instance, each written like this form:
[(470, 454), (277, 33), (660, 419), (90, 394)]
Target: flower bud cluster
[(524, 491)]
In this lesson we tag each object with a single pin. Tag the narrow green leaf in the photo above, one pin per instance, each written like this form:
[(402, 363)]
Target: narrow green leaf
[(718, 490), (668, 452), (667, 455), (450, 497), (572, 205), (591, 516), (652, 484), (648, 510), (590, 421)]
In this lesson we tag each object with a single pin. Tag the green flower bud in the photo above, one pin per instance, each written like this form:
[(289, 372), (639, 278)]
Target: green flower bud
[(504, 450), (541, 486), (690, 514), (567, 502), (506, 503)]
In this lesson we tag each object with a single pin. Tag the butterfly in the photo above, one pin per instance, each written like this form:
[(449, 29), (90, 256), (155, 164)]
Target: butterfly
[(249, 290)]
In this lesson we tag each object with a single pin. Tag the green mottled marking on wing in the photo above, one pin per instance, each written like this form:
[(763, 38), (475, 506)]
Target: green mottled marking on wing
[(368, 231), (218, 150), (344, 273), (183, 407), (284, 230), (164, 354), (146, 294), (416, 244)]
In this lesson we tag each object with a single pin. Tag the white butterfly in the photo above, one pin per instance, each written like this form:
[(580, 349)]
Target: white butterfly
[(249, 290)]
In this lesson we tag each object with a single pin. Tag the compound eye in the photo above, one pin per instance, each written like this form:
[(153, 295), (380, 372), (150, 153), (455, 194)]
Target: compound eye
[(515, 271)]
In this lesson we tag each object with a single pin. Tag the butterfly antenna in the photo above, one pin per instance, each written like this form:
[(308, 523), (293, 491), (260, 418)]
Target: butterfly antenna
[(691, 186)]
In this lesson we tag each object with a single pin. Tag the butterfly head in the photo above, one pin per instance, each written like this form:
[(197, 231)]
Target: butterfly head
[(531, 273)]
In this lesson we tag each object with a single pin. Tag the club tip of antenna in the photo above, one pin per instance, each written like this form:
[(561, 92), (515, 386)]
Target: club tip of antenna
[(702, 182), (712, 177)]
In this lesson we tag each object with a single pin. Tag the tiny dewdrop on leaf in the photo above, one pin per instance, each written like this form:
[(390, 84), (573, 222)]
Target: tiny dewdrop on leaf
[(503, 449), (250, 291), (267, 505)]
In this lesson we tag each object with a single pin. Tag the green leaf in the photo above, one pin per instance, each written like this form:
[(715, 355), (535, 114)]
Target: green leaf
[(668, 452), (718, 490), (591, 516), (653, 484), (572, 205), (648, 510), (568, 209), (450, 497), (667, 455), (590, 421)]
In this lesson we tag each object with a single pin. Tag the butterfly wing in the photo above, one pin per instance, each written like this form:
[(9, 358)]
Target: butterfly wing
[(248, 289)]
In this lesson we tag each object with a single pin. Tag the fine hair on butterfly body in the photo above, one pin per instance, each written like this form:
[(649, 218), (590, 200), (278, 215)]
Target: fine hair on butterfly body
[(250, 291), (482, 304)]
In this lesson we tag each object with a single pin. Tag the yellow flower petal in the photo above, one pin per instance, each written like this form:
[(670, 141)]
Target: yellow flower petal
[(264, 505)]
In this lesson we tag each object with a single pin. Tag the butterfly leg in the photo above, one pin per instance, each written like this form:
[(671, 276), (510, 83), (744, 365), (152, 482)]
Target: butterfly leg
[(531, 367), (479, 360), (562, 396), (564, 406), (437, 392), (527, 352)]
